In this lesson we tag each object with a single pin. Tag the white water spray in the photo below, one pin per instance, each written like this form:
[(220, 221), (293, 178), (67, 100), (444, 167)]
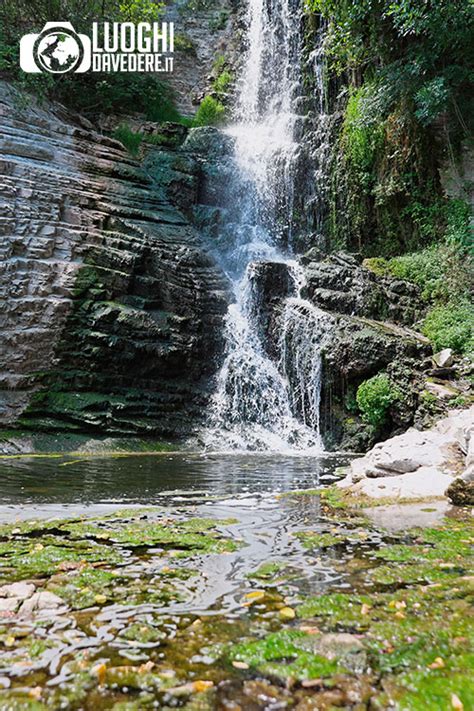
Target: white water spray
[(263, 402)]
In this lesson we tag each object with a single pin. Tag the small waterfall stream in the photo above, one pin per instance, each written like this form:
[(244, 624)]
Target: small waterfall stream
[(263, 400)]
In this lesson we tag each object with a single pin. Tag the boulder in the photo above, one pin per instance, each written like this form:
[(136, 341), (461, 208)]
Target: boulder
[(418, 464), (340, 283), (444, 359), (42, 602), (461, 492), (21, 590)]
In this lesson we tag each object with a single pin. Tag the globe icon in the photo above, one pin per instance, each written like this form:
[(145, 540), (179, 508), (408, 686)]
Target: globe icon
[(58, 51)]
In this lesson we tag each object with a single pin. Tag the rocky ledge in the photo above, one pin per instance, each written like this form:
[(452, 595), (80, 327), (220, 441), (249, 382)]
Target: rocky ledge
[(373, 330), (111, 306), (420, 464)]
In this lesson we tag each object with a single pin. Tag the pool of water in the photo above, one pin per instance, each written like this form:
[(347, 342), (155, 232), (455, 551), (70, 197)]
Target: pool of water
[(245, 488), (58, 485)]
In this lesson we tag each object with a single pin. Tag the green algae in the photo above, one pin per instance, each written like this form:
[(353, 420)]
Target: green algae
[(331, 496), (419, 636), (343, 610), (310, 539), (407, 610), (45, 560), (190, 536), (284, 654), (143, 633), (266, 571), (80, 588)]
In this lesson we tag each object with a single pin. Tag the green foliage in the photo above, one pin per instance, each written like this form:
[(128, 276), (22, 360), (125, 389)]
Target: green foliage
[(427, 269), (183, 43), (417, 50), (431, 99), (224, 77), (140, 10), (219, 22), (130, 139), (374, 398), (451, 326), (458, 224), (408, 67), (219, 64), (361, 135), (223, 82), (377, 265), (210, 112)]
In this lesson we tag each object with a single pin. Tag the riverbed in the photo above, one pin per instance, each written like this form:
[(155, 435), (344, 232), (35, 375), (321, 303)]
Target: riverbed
[(205, 581)]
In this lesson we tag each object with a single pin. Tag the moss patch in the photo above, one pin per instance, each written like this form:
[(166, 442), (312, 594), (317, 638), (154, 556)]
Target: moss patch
[(284, 654)]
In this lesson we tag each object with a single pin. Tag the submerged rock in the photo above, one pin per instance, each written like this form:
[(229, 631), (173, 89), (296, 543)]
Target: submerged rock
[(418, 464)]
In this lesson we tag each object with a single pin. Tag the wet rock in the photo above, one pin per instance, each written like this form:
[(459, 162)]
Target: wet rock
[(441, 392), (271, 283), (370, 333), (342, 645), (113, 307), (417, 464), (358, 348), (41, 602), (339, 283), (9, 604)]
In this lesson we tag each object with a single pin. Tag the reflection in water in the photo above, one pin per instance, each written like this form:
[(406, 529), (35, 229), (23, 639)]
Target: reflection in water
[(32, 483), (238, 489)]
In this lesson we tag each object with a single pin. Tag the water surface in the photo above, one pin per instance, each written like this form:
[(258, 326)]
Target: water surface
[(54, 486)]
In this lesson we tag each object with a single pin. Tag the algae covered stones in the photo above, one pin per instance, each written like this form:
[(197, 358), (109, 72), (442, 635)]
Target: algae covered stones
[(153, 608)]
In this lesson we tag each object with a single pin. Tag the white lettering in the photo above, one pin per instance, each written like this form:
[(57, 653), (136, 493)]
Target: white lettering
[(143, 37), (127, 37)]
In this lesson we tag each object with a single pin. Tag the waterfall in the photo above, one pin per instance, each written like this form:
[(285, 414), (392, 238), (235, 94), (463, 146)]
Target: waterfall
[(266, 400)]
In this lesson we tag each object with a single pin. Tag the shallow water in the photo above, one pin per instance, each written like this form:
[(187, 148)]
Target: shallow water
[(246, 488), (194, 581)]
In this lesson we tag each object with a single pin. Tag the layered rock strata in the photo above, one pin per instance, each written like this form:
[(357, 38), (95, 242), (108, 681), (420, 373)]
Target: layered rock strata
[(111, 307)]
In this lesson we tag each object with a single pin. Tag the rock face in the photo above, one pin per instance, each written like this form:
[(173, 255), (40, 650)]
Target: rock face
[(111, 307), (203, 31), (340, 283), (418, 464), (368, 335)]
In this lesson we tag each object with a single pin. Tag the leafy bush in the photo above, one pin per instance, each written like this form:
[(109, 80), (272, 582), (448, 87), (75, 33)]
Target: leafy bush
[(408, 67), (451, 326), (413, 49), (377, 265), (458, 224), (374, 397), (442, 271), (431, 99), (210, 112), (130, 139), (183, 43), (427, 269)]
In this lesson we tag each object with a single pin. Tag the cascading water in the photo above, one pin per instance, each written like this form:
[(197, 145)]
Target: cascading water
[(263, 402)]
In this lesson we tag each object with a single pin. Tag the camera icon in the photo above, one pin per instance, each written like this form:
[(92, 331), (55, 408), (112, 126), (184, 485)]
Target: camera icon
[(57, 49)]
